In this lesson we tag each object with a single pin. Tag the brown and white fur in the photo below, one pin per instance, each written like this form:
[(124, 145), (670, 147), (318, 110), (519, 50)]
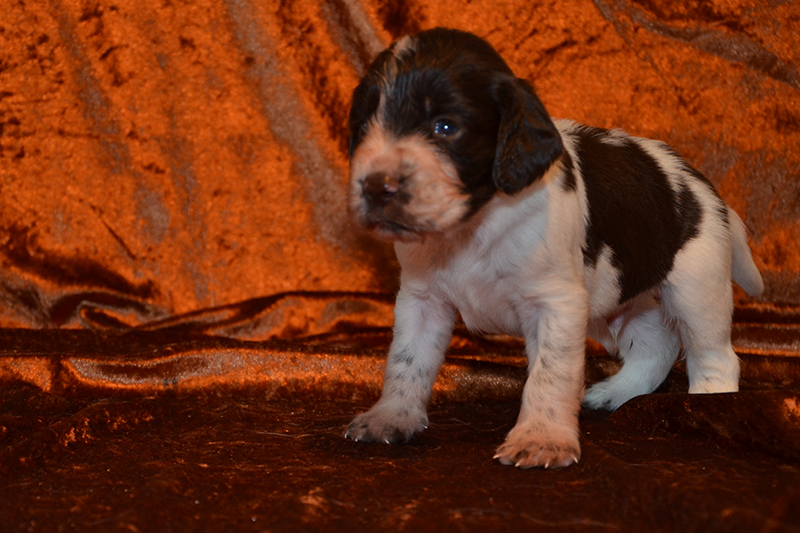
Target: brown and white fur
[(550, 231)]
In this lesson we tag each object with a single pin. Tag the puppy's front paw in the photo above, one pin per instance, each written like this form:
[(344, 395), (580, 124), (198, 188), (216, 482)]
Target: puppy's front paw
[(526, 448), (385, 423)]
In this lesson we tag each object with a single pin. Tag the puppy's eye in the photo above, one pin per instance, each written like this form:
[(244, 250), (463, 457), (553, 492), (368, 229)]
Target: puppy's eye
[(445, 127)]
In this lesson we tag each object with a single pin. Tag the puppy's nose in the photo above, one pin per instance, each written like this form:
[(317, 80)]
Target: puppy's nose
[(379, 188)]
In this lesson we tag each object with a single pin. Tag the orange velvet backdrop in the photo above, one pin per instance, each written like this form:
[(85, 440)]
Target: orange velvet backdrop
[(159, 158)]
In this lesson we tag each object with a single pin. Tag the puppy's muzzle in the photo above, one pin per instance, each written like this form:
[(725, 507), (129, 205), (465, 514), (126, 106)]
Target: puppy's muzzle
[(379, 189), (384, 198)]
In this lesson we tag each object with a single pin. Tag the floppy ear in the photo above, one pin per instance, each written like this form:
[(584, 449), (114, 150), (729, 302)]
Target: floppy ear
[(527, 140), (366, 97)]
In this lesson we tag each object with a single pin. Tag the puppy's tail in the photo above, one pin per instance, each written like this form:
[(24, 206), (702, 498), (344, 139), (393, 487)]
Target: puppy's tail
[(744, 271)]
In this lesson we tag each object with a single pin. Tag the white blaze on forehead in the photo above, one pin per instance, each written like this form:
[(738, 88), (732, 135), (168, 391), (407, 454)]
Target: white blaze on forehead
[(402, 48), (405, 45), (428, 179)]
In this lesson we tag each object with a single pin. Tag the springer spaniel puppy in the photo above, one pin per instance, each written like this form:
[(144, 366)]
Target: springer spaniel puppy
[(543, 229)]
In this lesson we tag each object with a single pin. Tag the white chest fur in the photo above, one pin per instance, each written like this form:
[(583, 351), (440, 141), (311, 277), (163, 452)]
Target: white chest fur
[(486, 269)]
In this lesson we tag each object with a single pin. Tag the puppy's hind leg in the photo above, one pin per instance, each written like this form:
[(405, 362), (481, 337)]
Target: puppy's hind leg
[(699, 296), (422, 331), (648, 347)]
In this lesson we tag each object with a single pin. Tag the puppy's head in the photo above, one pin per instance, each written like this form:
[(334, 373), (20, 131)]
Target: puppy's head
[(438, 125)]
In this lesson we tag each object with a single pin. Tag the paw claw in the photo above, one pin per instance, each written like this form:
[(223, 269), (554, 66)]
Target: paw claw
[(383, 424), (527, 449)]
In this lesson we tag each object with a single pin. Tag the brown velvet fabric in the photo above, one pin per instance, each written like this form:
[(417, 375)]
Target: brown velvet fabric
[(187, 320)]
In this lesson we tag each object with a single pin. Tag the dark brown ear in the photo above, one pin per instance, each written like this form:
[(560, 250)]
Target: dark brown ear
[(527, 140)]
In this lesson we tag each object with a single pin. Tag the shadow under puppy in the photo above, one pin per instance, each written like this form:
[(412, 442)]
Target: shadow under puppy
[(546, 230)]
